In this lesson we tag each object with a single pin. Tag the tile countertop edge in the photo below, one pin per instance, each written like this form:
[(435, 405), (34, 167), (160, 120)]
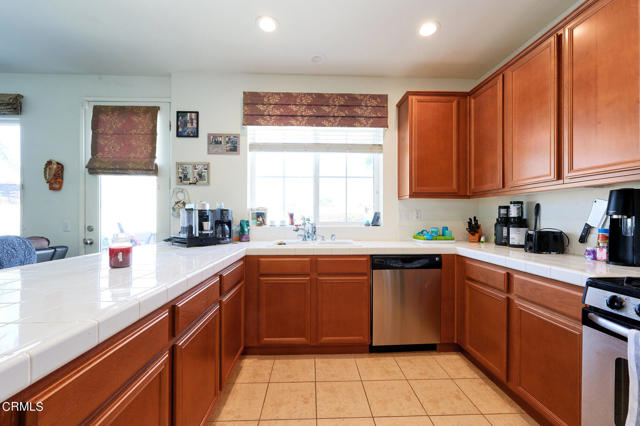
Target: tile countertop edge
[(200, 264)]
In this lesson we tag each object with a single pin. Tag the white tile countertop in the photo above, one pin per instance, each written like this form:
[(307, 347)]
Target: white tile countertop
[(52, 312)]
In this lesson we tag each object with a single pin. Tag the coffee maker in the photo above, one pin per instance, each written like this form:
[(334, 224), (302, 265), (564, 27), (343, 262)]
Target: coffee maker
[(223, 219), (623, 210), (196, 226)]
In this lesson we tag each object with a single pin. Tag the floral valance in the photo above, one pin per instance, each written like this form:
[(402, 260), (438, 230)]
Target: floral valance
[(10, 104), (123, 140), (314, 109)]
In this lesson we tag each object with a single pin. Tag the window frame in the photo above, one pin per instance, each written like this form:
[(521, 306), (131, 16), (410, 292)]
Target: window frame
[(18, 121), (377, 182)]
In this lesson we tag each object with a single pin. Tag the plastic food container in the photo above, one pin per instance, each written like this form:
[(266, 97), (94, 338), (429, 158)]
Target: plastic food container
[(120, 251)]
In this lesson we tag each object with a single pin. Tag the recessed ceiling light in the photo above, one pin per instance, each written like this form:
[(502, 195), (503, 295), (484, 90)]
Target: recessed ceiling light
[(267, 24), (317, 59), (428, 28)]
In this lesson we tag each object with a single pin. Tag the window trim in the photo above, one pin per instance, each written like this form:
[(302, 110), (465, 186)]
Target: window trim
[(17, 120)]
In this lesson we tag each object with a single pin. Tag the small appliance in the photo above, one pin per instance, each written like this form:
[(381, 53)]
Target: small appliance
[(223, 219), (517, 224), (547, 240), (612, 310), (501, 228), (196, 226), (623, 210)]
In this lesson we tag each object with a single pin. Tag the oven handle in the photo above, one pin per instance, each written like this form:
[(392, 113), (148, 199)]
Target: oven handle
[(609, 325)]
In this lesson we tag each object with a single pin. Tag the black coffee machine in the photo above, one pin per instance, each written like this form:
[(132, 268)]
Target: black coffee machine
[(624, 235), (223, 219)]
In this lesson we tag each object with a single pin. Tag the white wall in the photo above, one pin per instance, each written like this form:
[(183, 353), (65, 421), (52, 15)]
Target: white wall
[(564, 209), (51, 124), (218, 98)]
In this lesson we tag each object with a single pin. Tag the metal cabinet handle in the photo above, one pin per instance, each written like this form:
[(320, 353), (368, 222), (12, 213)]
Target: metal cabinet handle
[(87, 241)]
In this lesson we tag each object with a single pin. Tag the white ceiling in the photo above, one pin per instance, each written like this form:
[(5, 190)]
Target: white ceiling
[(357, 37)]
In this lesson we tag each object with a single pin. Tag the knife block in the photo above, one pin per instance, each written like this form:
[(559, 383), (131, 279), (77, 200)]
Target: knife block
[(476, 238)]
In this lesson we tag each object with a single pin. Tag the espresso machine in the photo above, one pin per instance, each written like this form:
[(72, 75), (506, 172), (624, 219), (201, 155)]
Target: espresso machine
[(623, 210), (223, 219), (196, 226)]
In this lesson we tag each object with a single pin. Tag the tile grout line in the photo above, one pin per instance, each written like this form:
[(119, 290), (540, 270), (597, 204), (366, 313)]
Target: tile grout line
[(264, 399), (364, 390), (412, 389)]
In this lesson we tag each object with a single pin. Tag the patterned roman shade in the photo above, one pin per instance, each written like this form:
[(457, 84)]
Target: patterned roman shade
[(314, 109), (123, 140), (10, 104)]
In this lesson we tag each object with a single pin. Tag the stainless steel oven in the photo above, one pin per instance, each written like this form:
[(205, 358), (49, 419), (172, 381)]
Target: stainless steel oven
[(611, 311)]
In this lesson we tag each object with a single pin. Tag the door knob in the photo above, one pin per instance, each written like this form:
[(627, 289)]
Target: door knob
[(87, 241), (90, 228)]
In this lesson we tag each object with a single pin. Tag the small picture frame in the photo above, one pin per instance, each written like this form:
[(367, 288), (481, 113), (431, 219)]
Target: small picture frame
[(192, 173), (259, 216), (187, 124), (223, 143)]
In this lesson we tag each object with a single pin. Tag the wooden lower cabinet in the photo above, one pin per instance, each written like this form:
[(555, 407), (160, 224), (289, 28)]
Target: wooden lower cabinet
[(486, 327), (343, 310), (231, 330), (195, 370), (145, 402), (545, 362), (525, 331), (284, 306)]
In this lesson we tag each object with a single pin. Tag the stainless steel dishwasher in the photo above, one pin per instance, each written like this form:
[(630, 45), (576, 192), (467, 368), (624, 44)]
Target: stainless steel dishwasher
[(406, 300)]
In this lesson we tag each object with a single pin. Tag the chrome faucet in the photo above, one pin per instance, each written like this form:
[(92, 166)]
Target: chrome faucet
[(308, 231)]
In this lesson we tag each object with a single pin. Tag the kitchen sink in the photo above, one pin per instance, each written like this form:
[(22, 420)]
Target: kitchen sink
[(324, 243)]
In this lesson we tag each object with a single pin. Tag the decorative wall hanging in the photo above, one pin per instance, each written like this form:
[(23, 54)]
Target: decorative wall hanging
[(187, 124), (221, 143), (123, 140), (192, 173), (54, 175), (314, 109), (180, 198), (10, 104), (259, 216)]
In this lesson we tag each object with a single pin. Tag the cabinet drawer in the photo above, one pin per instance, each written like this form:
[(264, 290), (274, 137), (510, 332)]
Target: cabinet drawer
[(339, 265), (484, 273), (190, 307), (284, 265), (549, 294), (144, 402), (231, 276), (77, 394)]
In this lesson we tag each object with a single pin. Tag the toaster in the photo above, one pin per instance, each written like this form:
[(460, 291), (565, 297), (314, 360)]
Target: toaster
[(547, 241)]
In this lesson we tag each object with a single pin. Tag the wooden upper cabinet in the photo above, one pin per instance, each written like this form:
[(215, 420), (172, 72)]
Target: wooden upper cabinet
[(432, 145), (530, 117), (601, 91), (485, 144)]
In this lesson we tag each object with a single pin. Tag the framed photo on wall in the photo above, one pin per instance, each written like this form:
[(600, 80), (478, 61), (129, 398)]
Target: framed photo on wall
[(223, 143), (192, 173), (187, 124)]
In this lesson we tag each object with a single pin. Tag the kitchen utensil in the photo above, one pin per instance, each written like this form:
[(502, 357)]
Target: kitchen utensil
[(595, 220)]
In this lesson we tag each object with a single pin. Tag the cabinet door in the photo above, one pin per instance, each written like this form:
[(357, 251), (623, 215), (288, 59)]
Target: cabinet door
[(343, 310), (231, 330), (435, 145), (486, 327), (531, 108), (602, 87), (146, 401), (284, 305), (196, 368), (545, 362), (485, 107)]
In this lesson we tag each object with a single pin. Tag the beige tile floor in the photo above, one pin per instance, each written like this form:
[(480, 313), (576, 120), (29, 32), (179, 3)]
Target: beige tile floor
[(400, 389)]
